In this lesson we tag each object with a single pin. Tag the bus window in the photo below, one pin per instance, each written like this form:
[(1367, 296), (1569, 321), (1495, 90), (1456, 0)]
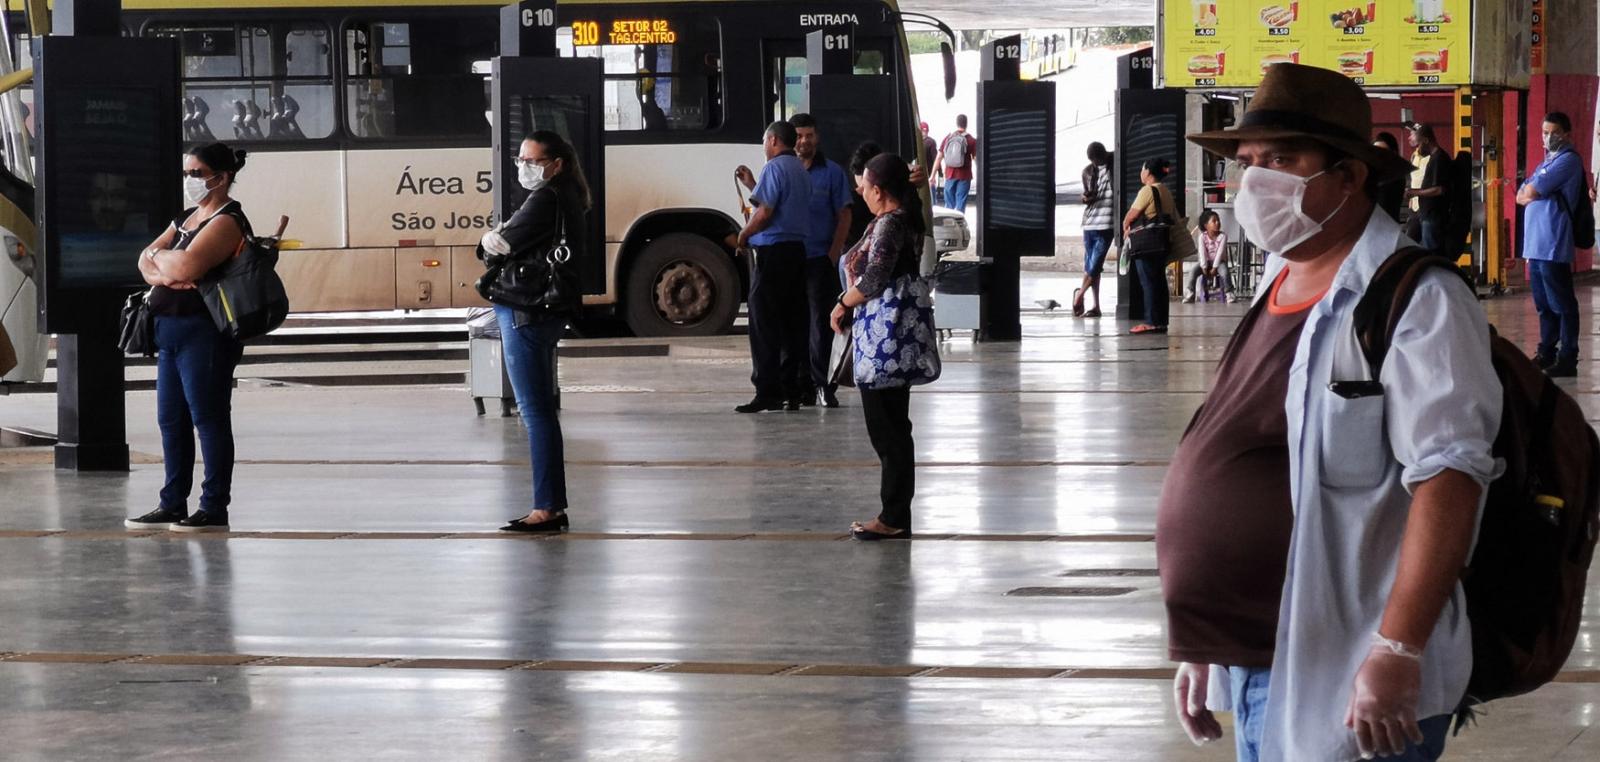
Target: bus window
[(268, 81), (416, 79), (788, 67), (661, 74)]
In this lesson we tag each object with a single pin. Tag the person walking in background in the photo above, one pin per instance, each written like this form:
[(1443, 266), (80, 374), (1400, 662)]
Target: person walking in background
[(1391, 192), (930, 150), (558, 197), (891, 249), (827, 231), (194, 360), (958, 154), (1548, 197), (776, 235), (1430, 208), (1099, 226), (1212, 244), (1154, 201)]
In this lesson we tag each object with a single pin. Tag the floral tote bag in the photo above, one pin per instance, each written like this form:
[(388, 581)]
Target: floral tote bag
[(893, 336)]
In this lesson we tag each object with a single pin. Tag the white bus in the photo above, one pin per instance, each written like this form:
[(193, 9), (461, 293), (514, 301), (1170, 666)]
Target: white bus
[(367, 125)]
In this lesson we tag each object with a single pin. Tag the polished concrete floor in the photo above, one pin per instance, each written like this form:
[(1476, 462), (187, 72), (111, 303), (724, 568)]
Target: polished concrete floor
[(707, 605)]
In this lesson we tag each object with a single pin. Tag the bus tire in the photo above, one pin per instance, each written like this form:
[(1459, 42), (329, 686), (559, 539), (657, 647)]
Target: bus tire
[(682, 284)]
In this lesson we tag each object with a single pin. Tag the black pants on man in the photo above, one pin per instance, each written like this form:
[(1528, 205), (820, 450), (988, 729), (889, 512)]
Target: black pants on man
[(778, 337), (888, 414), (822, 293)]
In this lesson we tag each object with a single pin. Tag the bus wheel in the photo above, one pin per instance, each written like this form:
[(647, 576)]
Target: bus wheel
[(682, 285)]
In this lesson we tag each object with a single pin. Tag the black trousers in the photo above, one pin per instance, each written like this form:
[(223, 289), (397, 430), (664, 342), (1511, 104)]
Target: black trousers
[(822, 293), (779, 345), (888, 413)]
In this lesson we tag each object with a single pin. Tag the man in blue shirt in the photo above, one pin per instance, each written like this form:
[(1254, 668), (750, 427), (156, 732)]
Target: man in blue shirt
[(1549, 197), (828, 227), (775, 236)]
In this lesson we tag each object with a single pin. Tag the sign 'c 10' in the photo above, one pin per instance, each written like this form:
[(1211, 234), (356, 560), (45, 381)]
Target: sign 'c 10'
[(544, 17)]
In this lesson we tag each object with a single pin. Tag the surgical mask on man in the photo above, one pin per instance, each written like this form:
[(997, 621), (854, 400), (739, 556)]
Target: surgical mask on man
[(1554, 142), (195, 189), (1269, 208), (531, 175)]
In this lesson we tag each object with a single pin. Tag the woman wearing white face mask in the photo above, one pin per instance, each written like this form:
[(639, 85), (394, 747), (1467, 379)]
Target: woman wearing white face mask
[(194, 361), (558, 199)]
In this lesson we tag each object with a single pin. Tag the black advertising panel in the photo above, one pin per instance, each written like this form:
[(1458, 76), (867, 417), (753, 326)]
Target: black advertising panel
[(1149, 126), (109, 162), (852, 109), (561, 95), (1016, 166)]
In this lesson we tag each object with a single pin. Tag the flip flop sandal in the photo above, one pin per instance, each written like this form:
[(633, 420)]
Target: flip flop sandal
[(1077, 302)]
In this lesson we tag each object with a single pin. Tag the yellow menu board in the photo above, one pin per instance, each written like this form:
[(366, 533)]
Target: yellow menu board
[(1230, 43)]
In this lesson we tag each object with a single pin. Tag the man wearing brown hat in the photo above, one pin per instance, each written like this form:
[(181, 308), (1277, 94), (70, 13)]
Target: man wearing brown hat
[(1321, 605)]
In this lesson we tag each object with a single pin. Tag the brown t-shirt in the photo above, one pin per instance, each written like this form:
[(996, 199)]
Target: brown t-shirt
[(1223, 524)]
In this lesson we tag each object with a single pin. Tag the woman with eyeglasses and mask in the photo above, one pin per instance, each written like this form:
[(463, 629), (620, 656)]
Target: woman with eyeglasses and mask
[(194, 360), (890, 248), (558, 195)]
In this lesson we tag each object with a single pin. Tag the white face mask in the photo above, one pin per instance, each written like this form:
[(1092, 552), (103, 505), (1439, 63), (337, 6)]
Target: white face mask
[(1269, 208), (1553, 142), (531, 176), (195, 189)]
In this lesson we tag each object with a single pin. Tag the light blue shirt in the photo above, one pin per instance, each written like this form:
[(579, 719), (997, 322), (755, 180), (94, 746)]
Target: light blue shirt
[(785, 187), (830, 196), (1547, 228), (1353, 464)]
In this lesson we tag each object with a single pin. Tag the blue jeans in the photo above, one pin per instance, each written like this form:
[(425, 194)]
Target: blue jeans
[(955, 194), (194, 393), (1433, 238), (1249, 693), (1557, 305), (530, 353), (1095, 245), (1153, 282)]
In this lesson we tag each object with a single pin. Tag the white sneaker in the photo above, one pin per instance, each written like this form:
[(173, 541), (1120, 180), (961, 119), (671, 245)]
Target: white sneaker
[(1188, 300), (1233, 299)]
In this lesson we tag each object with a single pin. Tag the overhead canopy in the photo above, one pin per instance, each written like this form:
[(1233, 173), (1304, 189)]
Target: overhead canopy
[(1036, 14)]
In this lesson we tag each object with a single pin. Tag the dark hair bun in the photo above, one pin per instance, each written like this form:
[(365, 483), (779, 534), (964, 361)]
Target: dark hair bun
[(238, 159)]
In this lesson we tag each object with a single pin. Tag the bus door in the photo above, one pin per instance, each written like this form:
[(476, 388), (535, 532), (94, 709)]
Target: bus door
[(562, 95), (841, 125)]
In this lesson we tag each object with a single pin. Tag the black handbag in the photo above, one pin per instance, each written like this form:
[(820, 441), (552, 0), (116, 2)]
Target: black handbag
[(137, 335), (540, 283), (1153, 239), (244, 295)]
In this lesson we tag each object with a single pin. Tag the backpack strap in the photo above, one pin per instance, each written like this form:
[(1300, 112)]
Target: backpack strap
[(1378, 314)]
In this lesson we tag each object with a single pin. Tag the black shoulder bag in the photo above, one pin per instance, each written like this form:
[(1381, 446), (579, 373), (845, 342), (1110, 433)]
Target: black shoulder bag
[(1153, 239), (540, 282)]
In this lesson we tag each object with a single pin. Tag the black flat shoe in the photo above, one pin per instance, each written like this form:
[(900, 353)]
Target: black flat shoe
[(830, 396), (792, 405), (759, 405), (867, 535), (553, 525)]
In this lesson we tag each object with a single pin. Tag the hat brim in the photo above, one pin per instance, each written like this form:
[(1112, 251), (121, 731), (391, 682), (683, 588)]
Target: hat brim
[(1386, 164)]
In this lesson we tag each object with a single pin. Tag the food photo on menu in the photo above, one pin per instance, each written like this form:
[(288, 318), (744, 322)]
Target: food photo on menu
[(1355, 63), (1205, 15), (1206, 65), (1279, 17), (1426, 62), (1354, 17), (1428, 12), (1277, 58)]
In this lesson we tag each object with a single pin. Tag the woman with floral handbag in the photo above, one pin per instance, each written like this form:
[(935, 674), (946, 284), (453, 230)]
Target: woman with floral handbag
[(889, 309)]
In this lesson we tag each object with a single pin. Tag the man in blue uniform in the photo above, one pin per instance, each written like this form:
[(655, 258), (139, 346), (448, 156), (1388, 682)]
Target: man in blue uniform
[(1549, 196), (827, 229), (775, 237)]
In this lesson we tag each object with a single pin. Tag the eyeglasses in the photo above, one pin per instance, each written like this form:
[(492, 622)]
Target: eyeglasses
[(521, 162), (198, 174)]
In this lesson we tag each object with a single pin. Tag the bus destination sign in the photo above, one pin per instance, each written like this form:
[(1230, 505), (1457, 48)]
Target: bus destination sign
[(625, 32)]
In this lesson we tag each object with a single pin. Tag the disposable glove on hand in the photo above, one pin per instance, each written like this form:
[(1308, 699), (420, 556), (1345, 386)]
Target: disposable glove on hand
[(495, 248), (1383, 703), (1189, 689)]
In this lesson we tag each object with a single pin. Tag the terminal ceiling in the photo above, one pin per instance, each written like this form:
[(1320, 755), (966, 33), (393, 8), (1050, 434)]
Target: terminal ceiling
[(1036, 14)]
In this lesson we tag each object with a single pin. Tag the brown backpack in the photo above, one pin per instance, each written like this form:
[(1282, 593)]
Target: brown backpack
[(1525, 582)]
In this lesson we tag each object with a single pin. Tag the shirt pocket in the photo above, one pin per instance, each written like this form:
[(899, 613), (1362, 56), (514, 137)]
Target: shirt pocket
[(1354, 450)]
